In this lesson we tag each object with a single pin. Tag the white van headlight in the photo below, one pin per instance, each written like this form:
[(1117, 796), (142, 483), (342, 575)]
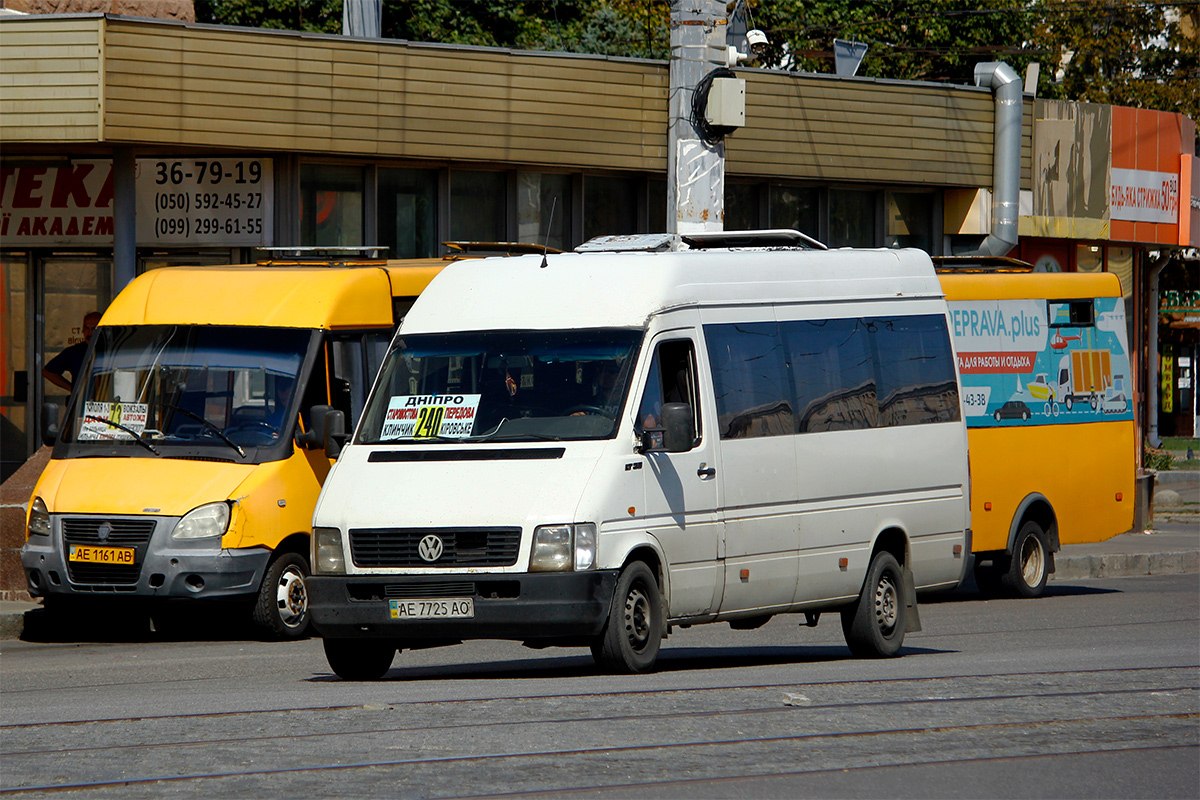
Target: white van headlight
[(39, 518), (561, 548), (328, 557), (204, 522)]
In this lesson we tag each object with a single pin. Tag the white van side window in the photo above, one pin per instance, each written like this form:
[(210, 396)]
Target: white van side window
[(814, 376), (672, 379)]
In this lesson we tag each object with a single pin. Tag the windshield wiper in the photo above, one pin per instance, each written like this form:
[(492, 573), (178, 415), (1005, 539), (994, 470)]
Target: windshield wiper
[(217, 431), (495, 435), (137, 437)]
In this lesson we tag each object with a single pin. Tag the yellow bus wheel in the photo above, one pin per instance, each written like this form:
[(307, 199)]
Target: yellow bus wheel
[(1029, 563)]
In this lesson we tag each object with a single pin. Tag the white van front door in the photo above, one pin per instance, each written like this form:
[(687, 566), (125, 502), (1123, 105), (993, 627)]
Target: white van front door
[(682, 507)]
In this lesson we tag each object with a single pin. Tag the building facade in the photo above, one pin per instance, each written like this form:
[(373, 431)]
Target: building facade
[(132, 144)]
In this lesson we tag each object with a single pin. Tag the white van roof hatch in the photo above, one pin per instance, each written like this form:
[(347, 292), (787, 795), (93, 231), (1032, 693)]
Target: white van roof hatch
[(625, 243), (700, 240)]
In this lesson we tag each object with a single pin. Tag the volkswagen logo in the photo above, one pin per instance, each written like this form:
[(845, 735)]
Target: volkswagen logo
[(430, 548), (104, 531)]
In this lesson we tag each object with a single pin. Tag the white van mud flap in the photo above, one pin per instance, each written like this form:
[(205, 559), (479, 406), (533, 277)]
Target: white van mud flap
[(912, 619)]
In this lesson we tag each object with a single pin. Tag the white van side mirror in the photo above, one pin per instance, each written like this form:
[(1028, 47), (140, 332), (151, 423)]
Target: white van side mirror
[(679, 429), (676, 435)]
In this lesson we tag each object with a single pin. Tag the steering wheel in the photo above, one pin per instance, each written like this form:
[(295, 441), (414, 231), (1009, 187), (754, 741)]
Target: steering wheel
[(254, 433), (585, 409), (256, 426)]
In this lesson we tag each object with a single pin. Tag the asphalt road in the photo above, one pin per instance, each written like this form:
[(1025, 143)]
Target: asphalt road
[(1091, 691)]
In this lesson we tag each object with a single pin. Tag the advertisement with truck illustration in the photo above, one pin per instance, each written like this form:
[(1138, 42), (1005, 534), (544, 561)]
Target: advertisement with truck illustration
[(1045, 372)]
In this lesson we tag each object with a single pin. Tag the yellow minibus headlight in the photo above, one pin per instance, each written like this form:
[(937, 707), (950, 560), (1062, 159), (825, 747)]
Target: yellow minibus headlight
[(39, 518), (203, 522)]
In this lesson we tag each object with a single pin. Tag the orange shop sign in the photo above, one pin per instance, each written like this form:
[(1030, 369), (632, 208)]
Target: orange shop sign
[(56, 204)]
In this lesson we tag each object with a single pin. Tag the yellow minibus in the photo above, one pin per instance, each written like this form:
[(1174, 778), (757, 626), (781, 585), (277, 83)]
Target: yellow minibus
[(1046, 383), (194, 445)]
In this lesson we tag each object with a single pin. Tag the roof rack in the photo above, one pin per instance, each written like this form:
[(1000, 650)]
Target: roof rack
[(980, 264), (773, 237), (320, 256), (479, 249)]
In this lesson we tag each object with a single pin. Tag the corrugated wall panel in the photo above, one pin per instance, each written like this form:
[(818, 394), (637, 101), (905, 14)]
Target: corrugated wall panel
[(861, 130), (196, 86), (201, 86), (50, 77)]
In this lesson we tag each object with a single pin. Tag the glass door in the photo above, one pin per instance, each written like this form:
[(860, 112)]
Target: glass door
[(16, 436), (70, 288)]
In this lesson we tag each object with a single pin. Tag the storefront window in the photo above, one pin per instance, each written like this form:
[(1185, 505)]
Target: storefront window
[(160, 260), (408, 212), (910, 220), (1089, 258), (544, 209), (14, 369), (331, 206), (478, 209), (796, 207), (851, 218), (609, 206), (657, 192), (1120, 263), (741, 206)]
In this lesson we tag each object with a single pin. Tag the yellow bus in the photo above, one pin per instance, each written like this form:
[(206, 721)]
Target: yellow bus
[(1046, 384), (205, 420)]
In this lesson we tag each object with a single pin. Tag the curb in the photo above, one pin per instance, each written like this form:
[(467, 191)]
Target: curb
[(1176, 476), (1124, 565), (12, 618)]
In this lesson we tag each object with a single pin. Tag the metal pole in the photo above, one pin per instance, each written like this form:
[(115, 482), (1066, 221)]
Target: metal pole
[(1156, 268), (695, 170), (124, 218)]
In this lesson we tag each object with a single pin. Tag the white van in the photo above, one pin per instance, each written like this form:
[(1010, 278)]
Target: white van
[(590, 448)]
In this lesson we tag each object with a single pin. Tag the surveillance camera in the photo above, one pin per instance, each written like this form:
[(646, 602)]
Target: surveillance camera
[(757, 41)]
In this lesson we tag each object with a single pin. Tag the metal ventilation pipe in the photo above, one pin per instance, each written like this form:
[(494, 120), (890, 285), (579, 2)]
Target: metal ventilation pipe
[(1006, 155)]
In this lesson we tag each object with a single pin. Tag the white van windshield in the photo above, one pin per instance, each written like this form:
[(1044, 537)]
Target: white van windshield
[(189, 385), (503, 385)]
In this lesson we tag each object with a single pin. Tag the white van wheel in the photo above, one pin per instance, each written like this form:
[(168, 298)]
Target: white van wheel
[(282, 606), (360, 659), (633, 633), (874, 626)]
